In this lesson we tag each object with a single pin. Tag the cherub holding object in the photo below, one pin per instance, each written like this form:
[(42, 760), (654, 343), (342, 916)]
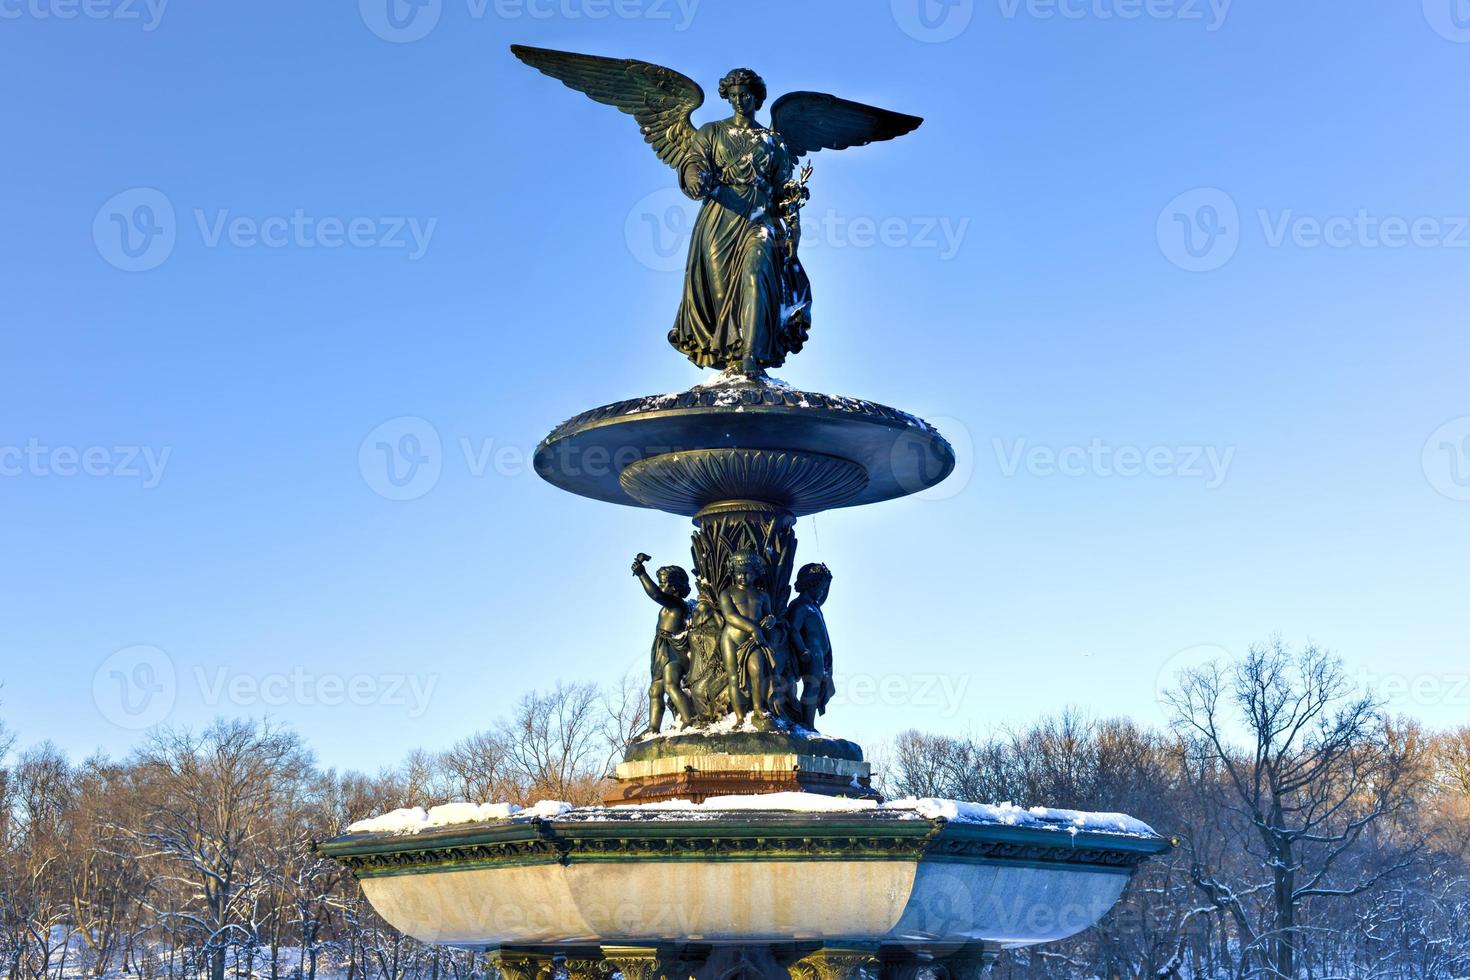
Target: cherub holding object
[(670, 657)]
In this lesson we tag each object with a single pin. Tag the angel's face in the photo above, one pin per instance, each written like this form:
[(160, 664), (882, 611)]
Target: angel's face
[(742, 100)]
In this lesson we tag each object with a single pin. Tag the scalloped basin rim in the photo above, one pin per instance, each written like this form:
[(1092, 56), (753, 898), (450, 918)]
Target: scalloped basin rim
[(765, 824), (900, 453), (752, 876)]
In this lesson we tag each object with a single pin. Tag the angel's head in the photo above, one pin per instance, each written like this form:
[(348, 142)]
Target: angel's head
[(744, 90)]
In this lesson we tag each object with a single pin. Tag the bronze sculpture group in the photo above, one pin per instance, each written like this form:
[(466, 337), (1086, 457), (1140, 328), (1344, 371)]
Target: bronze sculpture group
[(733, 654), (744, 647)]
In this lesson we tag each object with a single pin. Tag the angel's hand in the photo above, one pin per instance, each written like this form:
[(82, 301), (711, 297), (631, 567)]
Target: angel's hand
[(696, 184)]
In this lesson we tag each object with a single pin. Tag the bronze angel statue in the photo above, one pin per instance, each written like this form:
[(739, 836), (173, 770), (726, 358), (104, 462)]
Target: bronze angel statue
[(747, 301)]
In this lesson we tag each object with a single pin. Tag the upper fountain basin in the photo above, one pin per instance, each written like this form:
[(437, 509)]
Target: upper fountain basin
[(738, 438)]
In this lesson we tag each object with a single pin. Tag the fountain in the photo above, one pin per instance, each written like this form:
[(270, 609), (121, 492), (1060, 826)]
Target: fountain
[(738, 838)]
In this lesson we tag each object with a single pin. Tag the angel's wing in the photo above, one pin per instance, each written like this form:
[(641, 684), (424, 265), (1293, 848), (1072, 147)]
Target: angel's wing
[(811, 121), (661, 99)]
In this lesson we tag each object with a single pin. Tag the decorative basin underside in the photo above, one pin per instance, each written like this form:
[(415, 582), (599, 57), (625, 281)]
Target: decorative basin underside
[(744, 439), (676, 873)]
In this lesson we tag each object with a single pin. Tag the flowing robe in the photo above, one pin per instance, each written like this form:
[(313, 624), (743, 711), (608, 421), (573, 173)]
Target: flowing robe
[(745, 293)]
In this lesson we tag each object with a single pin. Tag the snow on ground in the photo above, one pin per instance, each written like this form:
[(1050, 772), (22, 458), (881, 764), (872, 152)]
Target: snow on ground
[(415, 819)]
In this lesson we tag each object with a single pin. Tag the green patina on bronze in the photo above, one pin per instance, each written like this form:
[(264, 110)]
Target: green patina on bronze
[(749, 456), (743, 633), (729, 837), (747, 301), (695, 744)]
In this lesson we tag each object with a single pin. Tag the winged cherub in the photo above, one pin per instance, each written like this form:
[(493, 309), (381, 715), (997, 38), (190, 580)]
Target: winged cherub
[(747, 300)]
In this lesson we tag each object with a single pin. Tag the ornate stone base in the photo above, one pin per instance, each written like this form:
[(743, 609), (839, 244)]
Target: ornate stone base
[(776, 961), (697, 778), (698, 766)]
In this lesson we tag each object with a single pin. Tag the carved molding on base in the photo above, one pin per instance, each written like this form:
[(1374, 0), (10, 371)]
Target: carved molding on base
[(648, 963), (522, 966), (837, 963), (779, 961)]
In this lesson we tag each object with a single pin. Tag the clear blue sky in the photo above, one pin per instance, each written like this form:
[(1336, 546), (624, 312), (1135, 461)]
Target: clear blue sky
[(186, 415)]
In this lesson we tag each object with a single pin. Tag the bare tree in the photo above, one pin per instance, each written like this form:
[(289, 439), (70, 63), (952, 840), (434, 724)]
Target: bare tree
[(479, 769), (1314, 779), (624, 718), (209, 803), (554, 744)]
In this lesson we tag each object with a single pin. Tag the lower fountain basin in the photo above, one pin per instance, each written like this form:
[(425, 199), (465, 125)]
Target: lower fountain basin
[(898, 873)]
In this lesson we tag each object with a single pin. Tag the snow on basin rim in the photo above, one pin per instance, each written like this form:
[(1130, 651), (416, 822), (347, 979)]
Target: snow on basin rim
[(412, 820)]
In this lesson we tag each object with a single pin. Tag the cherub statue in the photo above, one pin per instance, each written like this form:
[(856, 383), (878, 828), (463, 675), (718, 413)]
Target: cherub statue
[(747, 301), (745, 638), (670, 657), (812, 644)]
